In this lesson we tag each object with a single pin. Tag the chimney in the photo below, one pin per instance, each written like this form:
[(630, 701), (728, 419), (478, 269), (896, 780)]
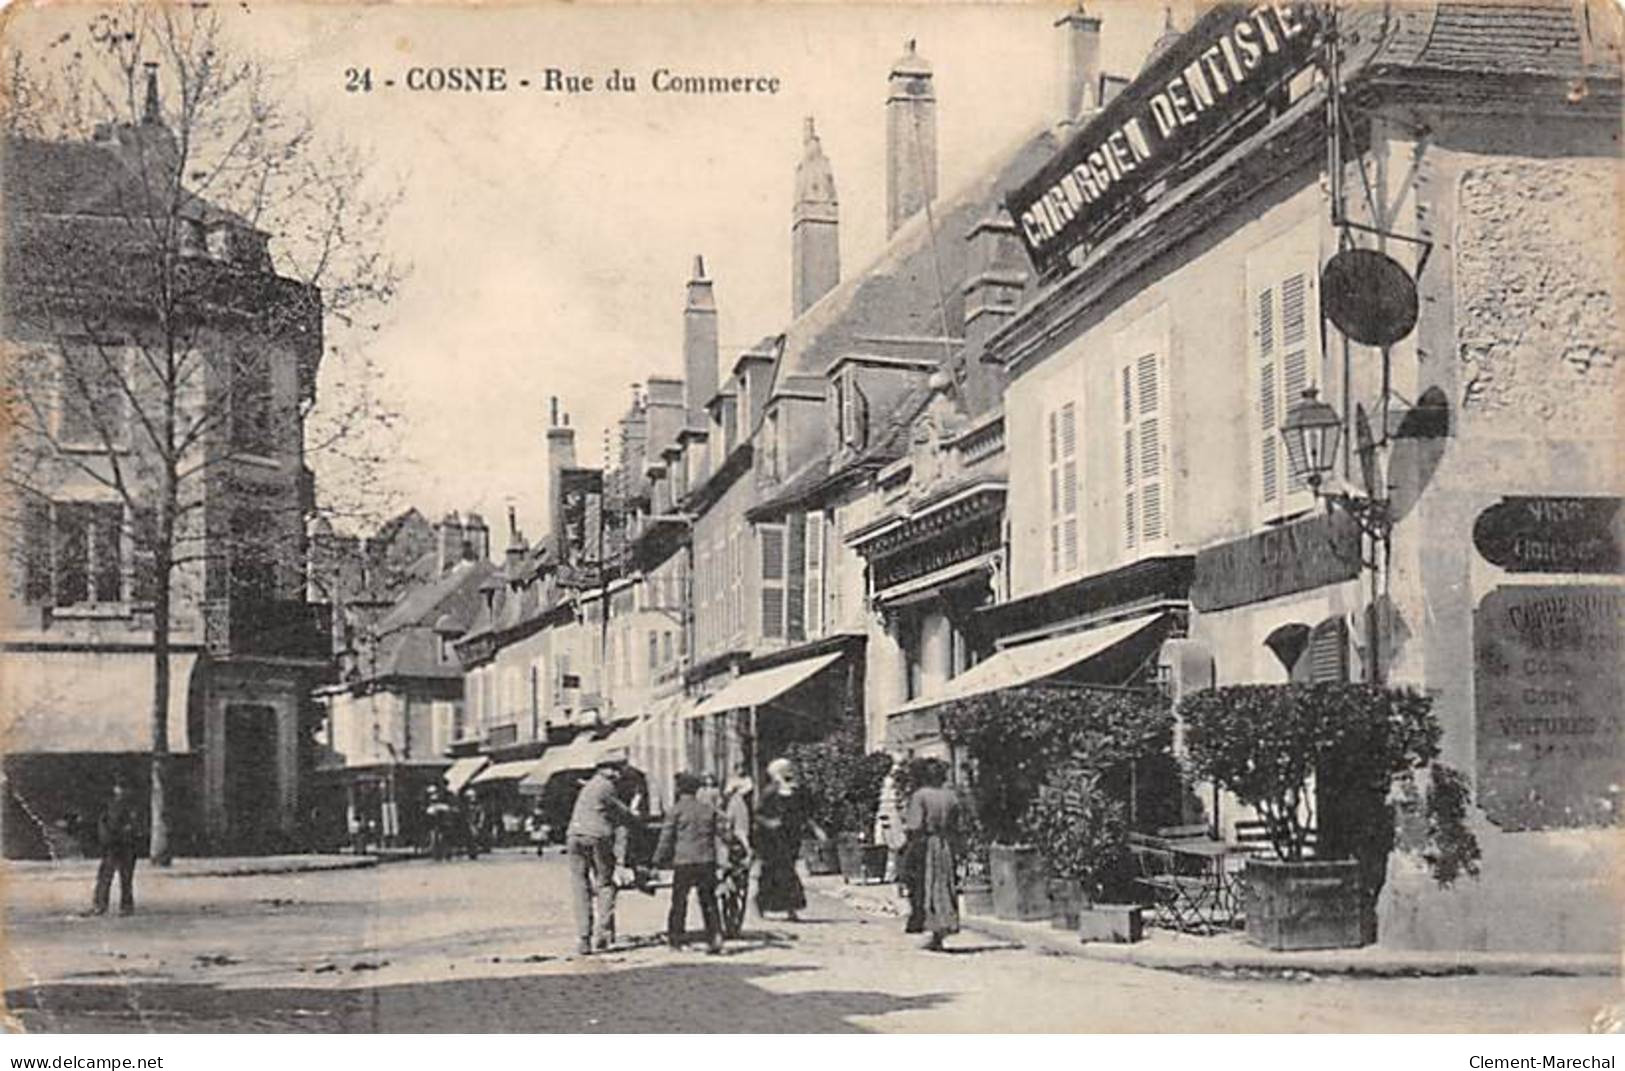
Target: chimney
[(561, 454), (815, 257), (514, 557), (911, 139), (448, 542), (699, 346), (476, 539), (997, 276), (150, 115), (1080, 64)]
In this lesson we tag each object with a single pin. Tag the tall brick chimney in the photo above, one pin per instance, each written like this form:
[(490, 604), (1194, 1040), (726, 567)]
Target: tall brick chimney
[(1080, 64), (911, 139), (448, 542), (699, 348), (815, 255), (561, 454)]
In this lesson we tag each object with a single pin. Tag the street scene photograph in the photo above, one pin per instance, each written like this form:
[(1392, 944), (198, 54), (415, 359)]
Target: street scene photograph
[(1053, 518)]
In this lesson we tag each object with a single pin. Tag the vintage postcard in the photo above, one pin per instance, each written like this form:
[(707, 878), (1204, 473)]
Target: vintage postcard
[(574, 518)]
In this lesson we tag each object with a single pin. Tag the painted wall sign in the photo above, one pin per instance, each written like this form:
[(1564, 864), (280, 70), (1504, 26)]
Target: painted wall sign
[(1309, 553), (1547, 534), (1213, 75), (1549, 705)]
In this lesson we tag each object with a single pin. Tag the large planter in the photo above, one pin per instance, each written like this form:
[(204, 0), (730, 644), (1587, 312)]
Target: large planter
[(1303, 905), (1121, 924), (976, 896), (1067, 902), (861, 863), (1020, 882), (823, 856)]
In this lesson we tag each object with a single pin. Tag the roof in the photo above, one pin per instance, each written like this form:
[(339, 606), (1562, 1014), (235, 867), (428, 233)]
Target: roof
[(93, 178), (1558, 38), (408, 645)]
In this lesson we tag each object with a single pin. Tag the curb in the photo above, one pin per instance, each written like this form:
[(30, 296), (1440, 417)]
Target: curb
[(1196, 955), (84, 870)]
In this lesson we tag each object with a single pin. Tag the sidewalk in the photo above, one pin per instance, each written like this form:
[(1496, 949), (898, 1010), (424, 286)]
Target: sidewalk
[(1230, 952), (187, 867)]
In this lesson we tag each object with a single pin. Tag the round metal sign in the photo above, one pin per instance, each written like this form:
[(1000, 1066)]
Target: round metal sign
[(1369, 296)]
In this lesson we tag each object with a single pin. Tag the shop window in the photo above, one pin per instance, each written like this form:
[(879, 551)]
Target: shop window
[(1061, 455)]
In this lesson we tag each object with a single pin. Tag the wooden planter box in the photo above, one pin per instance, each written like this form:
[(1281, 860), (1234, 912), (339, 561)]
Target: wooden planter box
[(1304, 905), (822, 856), (976, 897), (861, 863), (1121, 924), (1067, 902), (1020, 882)]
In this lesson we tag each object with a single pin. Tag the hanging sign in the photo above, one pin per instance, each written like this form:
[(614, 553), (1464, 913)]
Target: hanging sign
[(1552, 534), (1213, 75)]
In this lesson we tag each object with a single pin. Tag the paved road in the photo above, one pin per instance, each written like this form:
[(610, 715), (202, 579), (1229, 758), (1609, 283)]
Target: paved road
[(486, 946)]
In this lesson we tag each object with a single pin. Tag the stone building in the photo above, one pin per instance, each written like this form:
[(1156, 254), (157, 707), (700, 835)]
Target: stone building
[(1181, 318), (79, 638)]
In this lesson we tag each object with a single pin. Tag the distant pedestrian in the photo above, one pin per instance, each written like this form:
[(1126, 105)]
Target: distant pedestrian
[(783, 818), (932, 818), (889, 819), (596, 842), (118, 834), (692, 842), (708, 791), (738, 817)]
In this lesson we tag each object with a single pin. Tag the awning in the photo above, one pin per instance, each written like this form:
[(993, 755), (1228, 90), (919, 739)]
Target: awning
[(504, 771), (1031, 662), (579, 754), (463, 770), (754, 689), (89, 701)]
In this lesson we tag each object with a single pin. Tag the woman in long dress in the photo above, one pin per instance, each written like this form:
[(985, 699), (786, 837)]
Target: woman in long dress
[(932, 818), (782, 819)]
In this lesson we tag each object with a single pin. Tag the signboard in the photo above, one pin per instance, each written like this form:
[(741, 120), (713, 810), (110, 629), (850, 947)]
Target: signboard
[(1309, 553), (1551, 534), (1215, 74), (1549, 705)]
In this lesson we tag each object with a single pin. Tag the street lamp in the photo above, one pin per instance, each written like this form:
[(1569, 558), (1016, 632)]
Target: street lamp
[(1311, 432)]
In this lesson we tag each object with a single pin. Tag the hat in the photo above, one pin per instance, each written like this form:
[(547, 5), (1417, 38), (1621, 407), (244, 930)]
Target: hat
[(614, 759)]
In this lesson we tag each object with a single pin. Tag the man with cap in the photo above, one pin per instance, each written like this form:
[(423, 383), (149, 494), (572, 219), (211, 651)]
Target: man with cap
[(118, 834), (595, 842)]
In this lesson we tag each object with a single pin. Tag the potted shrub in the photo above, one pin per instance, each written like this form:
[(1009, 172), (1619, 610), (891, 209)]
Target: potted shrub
[(843, 785), (1015, 738), (1083, 835), (1335, 750)]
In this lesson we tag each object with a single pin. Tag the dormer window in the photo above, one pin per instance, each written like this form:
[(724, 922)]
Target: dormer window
[(219, 242), (771, 446), (193, 241)]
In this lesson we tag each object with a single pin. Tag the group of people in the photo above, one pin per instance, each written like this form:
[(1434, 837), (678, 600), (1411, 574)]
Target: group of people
[(455, 823), (711, 836)]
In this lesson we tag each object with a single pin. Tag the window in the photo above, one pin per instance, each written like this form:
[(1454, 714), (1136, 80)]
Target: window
[(1144, 519), (253, 566), (1061, 463), (666, 644), (654, 651), (771, 537), (535, 701), (815, 574), (92, 409), (770, 445), (1284, 361), (913, 671), (73, 552)]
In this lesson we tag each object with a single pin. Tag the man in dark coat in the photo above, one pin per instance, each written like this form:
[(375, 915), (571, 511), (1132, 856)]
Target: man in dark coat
[(118, 833), (692, 840)]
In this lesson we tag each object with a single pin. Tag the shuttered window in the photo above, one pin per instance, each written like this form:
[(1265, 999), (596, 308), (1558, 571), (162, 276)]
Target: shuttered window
[(815, 574), (771, 539), (1284, 361), (1328, 652), (1141, 409), (795, 577), (1061, 464)]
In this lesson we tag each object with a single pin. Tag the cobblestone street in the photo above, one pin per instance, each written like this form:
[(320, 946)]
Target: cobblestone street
[(486, 946)]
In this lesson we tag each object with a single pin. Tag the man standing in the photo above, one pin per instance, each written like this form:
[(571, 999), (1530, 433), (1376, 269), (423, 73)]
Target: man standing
[(692, 841), (595, 841), (118, 833)]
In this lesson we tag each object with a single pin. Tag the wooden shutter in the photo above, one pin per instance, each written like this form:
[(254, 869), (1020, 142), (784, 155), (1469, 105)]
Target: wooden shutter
[(1328, 653), (1062, 465), (795, 577), (36, 550), (771, 537), (815, 574), (1284, 360), (1144, 506)]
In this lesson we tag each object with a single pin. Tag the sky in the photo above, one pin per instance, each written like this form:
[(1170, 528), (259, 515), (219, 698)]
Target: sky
[(550, 235)]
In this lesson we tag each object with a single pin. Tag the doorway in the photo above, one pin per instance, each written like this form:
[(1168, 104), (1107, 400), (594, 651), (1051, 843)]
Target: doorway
[(252, 804)]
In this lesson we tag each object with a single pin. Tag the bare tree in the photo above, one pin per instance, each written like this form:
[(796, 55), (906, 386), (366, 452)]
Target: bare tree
[(165, 322)]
